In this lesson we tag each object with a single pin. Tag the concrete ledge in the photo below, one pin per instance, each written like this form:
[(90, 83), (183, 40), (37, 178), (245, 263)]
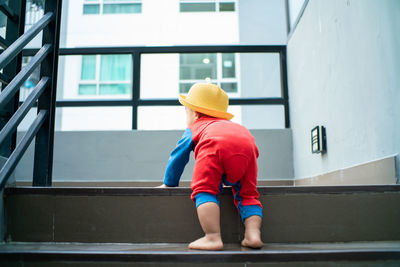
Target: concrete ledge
[(275, 182), (382, 171), (128, 156)]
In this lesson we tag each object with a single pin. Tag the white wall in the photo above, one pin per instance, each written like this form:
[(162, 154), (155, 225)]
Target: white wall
[(262, 22), (343, 68)]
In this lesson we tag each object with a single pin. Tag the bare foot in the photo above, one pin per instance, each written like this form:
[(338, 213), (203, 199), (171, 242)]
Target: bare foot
[(252, 233), (252, 239), (208, 242)]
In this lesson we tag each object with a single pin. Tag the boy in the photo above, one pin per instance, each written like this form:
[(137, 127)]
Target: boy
[(225, 153)]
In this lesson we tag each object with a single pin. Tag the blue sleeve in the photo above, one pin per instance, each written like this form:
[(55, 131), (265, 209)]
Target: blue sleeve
[(178, 159)]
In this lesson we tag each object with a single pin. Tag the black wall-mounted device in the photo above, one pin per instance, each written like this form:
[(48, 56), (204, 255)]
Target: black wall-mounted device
[(318, 139)]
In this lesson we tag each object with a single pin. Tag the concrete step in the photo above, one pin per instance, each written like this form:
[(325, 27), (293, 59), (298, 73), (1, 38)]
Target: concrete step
[(175, 254), (154, 215)]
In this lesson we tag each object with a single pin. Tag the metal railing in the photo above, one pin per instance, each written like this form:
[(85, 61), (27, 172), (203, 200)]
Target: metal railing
[(136, 52), (43, 95)]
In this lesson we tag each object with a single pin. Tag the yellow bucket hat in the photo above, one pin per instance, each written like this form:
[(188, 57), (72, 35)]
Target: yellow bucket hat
[(208, 99)]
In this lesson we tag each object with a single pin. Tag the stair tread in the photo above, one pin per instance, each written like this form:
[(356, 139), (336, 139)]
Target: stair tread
[(151, 191), (146, 252)]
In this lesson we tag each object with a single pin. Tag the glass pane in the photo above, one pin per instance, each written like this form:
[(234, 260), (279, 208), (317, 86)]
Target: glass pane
[(71, 85), (88, 70), (93, 118), (122, 8), (161, 118), (228, 66), (3, 23), (227, 7), (159, 77), (251, 75), (116, 68), (34, 11), (31, 82), (114, 89), (184, 87), (197, 7), (259, 116), (259, 75), (91, 9), (171, 118), (229, 87), (28, 120), (87, 89), (198, 66)]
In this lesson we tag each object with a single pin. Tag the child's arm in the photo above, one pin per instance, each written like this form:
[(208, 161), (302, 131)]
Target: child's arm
[(178, 159)]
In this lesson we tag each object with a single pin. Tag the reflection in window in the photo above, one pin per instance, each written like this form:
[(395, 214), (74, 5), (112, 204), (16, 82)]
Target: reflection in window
[(112, 7), (34, 11), (198, 66), (215, 68), (105, 75), (31, 82), (207, 5)]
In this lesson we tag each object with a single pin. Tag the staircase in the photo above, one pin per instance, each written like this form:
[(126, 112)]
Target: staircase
[(302, 226)]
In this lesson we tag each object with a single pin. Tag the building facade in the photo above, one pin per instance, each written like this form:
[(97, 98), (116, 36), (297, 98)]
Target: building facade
[(105, 23)]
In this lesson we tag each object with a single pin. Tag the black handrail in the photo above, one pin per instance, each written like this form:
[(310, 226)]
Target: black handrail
[(16, 47), (44, 93), (13, 160), (14, 85), (16, 119)]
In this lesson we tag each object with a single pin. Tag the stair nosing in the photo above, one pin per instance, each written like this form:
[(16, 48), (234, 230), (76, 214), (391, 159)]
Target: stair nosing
[(207, 256), (177, 191)]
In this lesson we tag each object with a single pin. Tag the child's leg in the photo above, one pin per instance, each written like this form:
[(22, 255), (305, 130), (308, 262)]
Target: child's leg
[(209, 217), (252, 234), (246, 200), (252, 218), (206, 185)]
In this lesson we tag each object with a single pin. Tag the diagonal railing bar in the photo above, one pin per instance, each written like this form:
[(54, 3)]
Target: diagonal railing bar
[(18, 116), (4, 79), (19, 151), (9, 13), (15, 48), (8, 92), (4, 43)]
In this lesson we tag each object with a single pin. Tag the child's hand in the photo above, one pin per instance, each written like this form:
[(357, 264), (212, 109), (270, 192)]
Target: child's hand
[(162, 186)]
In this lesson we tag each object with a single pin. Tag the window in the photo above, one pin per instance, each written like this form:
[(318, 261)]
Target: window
[(91, 7), (105, 75), (207, 5), (216, 68)]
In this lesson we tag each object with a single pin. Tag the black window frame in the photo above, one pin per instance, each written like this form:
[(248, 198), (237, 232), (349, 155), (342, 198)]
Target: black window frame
[(135, 102)]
